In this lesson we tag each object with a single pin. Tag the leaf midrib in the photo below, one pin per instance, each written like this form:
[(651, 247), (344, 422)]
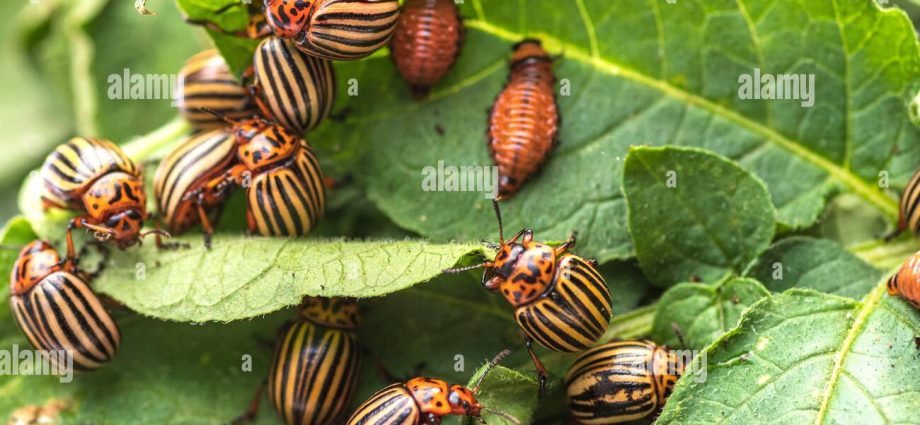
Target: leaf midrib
[(606, 65), (867, 307)]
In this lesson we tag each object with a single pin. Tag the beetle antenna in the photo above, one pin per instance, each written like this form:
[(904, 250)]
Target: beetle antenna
[(498, 215), (504, 415), (495, 361), (160, 232), (463, 269), (679, 334), (216, 114)]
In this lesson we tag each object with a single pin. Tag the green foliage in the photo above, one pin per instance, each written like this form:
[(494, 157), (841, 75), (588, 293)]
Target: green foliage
[(814, 263), (807, 357), (701, 313), (694, 214), (643, 89)]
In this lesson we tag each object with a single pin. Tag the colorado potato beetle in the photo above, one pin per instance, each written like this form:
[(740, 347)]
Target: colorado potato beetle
[(559, 299), (314, 369), (206, 83), (57, 311), (328, 29), (284, 184), (524, 120), (94, 177), (906, 282), (621, 381), (424, 401), (426, 42), (296, 89), (188, 169), (334, 29)]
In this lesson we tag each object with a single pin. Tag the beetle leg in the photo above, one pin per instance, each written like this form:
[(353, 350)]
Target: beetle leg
[(206, 227), (251, 222), (250, 414), (567, 245), (541, 370)]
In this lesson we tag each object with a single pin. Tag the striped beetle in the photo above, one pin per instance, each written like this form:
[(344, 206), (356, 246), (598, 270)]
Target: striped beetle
[(621, 381), (57, 310), (208, 84), (559, 299)]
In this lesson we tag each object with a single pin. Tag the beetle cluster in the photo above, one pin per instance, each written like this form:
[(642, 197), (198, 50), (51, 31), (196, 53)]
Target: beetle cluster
[(249, 134)]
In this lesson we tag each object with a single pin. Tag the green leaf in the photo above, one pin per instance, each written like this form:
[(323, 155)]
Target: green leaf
[(807, 357), (244, 277), (507, 391), (703, 312), (818, 264), (653, 74), (694, 213)]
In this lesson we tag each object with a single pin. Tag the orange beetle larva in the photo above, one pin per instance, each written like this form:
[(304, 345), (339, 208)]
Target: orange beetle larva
[(426, 42), (524, 120)]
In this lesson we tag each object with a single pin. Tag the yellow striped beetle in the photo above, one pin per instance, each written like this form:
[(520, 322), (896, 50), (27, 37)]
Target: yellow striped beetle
[(294, 88), (57, 310), (908, 213), (187, 169), (334, 29), (208, 84), (94, 177), (314, 369), (285, 187), (559, 299), (424, 401), (620, 382)]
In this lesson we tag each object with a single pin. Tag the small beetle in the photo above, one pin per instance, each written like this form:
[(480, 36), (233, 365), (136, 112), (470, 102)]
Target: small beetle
[(908, 213), (621, 382), (284, 184), (426, 42), (188, 169), (424, 401), (206, 83), (94, 177), (906, 282), (57, 310), (524, 120), (314, 369), (328, 29), (559, 299)]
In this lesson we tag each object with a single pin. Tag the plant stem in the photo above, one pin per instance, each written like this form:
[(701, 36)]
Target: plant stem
[(143, 147), (634, 324), (886, 255)]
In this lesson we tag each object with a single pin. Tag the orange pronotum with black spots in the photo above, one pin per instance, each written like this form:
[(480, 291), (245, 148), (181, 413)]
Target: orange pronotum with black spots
[(559, 299)]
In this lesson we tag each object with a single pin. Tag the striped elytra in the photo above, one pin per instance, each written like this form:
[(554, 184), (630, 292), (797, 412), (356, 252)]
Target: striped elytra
[(334, 29), (908, 212), (906, 282), (284, 184), (575, 311), (426, 42), (206, 84), (524, 120), (620, 382), (393, 405), (560, 300), (296, 89), (95, 178), (57, 311), (315, 365), (187, 169), (288, 201)]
